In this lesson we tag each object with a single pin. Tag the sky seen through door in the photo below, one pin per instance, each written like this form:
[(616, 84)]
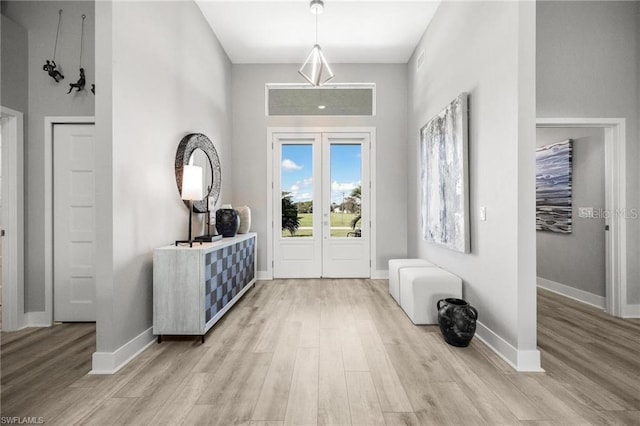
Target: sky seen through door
[(297, 171)]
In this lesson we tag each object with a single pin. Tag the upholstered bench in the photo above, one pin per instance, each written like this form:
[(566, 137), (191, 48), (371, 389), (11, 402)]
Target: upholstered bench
[(422, 287), (395, 265)]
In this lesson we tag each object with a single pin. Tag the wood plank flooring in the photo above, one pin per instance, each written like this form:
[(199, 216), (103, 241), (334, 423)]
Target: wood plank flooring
[(330, 352)]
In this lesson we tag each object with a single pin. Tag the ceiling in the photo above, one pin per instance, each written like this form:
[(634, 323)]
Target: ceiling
[(282, 31)]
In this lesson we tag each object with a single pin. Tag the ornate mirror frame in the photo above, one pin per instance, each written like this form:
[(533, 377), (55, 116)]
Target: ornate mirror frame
[(187, 146)]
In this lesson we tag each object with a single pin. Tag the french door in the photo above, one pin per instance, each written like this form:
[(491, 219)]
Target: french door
[(321, 205)]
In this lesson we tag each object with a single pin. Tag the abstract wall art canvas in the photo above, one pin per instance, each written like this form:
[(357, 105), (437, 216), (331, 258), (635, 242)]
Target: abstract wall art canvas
[(554, 187), (444, 177)]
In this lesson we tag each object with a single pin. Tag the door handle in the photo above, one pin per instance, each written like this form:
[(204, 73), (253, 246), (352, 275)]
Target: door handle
[(1, 232)]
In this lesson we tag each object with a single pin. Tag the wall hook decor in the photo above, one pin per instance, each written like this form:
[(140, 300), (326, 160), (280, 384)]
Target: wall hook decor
[(79, 85), (93, 89), (50, 65)]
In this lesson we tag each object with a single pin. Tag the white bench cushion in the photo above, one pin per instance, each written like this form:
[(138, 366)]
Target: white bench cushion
[(395, 265), (421, 288)]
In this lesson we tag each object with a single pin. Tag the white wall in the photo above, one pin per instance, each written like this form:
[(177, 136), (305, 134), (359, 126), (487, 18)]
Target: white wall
[(47, 98), (578, 259), (250, 145), (486, 49), (162, 75), (14, 91), (588, 66)]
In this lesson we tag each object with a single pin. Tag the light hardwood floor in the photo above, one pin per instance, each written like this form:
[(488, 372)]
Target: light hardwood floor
[(334, 352)]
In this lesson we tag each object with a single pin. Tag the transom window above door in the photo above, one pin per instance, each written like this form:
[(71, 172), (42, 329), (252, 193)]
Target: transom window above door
[(358, 99)]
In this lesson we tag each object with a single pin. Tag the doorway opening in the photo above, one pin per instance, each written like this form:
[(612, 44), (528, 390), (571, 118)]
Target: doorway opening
[(12, 219), (612, 214), (321, 203)]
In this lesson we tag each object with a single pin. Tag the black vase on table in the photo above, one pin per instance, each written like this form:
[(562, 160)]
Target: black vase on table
[(227, 222), (457, 321)]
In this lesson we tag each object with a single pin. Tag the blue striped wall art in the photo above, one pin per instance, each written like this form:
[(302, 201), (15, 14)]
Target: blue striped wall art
[(554, 187)]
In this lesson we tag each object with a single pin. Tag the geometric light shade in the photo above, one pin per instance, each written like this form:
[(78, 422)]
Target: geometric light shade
[(316, 69), (192, 183)]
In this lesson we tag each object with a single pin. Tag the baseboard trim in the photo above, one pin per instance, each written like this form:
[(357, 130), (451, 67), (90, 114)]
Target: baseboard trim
[(377, 274), (111, 362), (573, 293), (37, 319), (264, 276), (522, 361), (380, 274), (631, 311)]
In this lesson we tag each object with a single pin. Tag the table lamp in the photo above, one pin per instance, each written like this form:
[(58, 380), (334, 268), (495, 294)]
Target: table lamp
[(191, 190)]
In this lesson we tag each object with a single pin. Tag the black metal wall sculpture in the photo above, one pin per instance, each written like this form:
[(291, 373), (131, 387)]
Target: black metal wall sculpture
[(50, 65), (79, 85)]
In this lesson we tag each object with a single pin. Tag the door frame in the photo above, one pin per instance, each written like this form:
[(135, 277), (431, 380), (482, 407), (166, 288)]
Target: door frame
[(13, 316), (615, 203), (268, 274), (46, 318)]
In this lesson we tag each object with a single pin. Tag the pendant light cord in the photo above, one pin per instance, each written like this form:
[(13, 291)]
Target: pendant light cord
[(82, 40), (316, 28), (55, 46)]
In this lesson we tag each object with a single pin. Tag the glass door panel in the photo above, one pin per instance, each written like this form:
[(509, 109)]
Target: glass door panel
[(296, 189), (346, 190)]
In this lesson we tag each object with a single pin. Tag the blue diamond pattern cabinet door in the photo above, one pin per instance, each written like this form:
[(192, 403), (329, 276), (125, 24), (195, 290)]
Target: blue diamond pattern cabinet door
[(193, 287)]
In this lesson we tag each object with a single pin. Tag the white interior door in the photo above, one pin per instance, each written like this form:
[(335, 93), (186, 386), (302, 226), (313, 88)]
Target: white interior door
[(73, 222), (320, 190)]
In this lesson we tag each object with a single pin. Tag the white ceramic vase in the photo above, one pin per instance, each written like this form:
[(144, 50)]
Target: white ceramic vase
[(245, 219)]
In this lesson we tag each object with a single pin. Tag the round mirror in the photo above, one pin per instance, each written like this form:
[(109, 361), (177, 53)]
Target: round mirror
[(198, 150), (200, 159)]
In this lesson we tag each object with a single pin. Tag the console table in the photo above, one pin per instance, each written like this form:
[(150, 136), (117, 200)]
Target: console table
[(193, 287)]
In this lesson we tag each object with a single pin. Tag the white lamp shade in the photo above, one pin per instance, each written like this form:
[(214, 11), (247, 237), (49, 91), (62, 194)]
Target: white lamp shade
[(192, 183), (316, 69)]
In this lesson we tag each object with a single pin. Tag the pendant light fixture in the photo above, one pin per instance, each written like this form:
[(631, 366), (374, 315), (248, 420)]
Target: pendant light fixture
[(316, 69)]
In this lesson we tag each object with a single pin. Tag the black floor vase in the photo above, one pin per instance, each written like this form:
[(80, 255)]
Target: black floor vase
[(457, 321)]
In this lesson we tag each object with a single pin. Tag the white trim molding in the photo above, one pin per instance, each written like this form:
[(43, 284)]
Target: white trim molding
[(49, 122), (111, 362), (615, 203), (12, 219), (631, 311), (520, 360), (264, 276), (573, 293), (380, 274), (37, 319)]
